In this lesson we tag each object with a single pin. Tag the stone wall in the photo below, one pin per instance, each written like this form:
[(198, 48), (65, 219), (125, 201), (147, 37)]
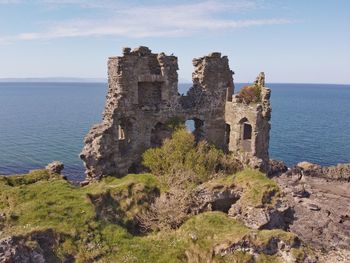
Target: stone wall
[(143, 97), (248, 126)]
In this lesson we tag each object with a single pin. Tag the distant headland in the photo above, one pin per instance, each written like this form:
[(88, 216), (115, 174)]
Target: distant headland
[(53, 79)]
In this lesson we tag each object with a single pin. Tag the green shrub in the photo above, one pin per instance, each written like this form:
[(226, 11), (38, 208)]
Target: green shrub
[(182, 154)]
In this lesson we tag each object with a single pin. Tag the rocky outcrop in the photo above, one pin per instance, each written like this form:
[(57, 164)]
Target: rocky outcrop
[(276, 167), (321, 208), (339, 172), (55, 167), (143, 99), (35, 247), (214, 196), (224, 197), (273, 246), (279, 215)]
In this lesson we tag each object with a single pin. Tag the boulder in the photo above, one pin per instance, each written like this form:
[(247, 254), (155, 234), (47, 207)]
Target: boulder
[(214, 196), (278, 216), (276, 168), (308, 166), (35, 247), (55, 167)]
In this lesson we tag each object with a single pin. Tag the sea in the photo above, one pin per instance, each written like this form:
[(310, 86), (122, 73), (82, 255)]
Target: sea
[(42, 122)]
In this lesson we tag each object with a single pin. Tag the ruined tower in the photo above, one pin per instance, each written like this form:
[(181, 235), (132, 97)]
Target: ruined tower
[(143, 98)]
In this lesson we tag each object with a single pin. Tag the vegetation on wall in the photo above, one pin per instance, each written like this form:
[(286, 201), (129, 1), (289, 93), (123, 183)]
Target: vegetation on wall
[(250, 94)]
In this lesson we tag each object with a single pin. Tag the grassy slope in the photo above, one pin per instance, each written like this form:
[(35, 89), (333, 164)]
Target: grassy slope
[(258, 189), (39, 201)]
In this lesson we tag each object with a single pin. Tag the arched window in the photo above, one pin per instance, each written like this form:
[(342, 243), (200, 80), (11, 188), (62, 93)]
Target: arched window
[(246, 135), (247, 131)]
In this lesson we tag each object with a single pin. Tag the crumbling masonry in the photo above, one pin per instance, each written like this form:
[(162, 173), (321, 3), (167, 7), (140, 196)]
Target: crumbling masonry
[(143, 99)]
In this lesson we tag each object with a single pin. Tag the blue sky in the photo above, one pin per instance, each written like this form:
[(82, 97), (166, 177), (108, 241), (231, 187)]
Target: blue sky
[(304, 41)]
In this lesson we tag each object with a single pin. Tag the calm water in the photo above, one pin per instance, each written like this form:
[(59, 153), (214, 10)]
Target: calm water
[(41, 122)]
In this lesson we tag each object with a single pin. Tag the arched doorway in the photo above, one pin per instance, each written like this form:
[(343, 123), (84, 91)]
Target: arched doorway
[(196, 126)]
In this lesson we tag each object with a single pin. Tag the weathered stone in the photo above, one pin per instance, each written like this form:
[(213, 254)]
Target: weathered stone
[(55, 167), (40, 250), (273, 246), (308, 166), (323, 218), (276, 168), (213, 196), (340, 172), (143, 98), (84, 183), (266, 217), (260, 80), (300, 191)]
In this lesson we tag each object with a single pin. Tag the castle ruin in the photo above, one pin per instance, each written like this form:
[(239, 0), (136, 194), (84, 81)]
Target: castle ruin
[(143, 98)]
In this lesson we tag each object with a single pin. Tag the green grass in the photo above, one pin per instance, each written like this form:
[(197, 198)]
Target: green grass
[(213, 228), (52, 202), (33, 177), (258, 189), (49, 203), (40, 201)]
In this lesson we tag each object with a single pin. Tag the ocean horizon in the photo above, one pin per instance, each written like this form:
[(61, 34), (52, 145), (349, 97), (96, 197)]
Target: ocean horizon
[(45, 121)]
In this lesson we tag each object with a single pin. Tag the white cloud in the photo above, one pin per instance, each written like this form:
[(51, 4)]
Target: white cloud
[(149, 21)]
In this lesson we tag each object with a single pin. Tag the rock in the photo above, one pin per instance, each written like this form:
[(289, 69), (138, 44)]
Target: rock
[(276, 168), (300, 192), (339, 172), (308, 166), (84, 183), (320, 219), (15, 248), (314, 207), (278, 216), (193, 236), (213, 196), (273, 246), (252, 217), (55, 167), (294, 171)]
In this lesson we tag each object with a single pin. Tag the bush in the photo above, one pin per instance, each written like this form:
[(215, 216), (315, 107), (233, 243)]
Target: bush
[(181, 164), (250, 94), (168, 211), (181, 153)]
